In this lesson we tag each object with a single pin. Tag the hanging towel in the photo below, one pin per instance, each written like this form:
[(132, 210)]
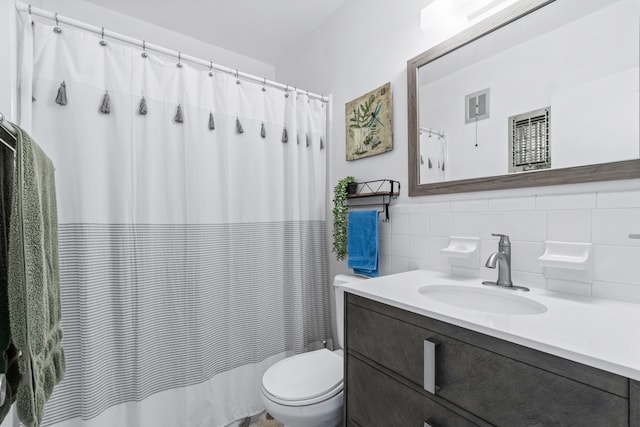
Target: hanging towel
[(8, 351), (34, 283), (362, 242)]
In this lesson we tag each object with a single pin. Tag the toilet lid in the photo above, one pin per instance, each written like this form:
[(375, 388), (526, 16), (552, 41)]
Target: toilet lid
[(306, 377)]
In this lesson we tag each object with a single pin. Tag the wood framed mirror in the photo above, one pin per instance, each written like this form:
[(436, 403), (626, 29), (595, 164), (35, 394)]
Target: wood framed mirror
[(542, 93)]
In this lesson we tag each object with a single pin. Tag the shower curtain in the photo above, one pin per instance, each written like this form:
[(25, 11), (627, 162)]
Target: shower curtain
[(192, 243)]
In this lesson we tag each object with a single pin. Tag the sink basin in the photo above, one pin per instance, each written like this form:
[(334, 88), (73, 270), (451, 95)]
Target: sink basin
[(487, 300)]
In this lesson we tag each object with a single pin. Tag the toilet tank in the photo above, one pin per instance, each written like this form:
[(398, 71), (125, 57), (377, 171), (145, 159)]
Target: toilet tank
[(339, 295)]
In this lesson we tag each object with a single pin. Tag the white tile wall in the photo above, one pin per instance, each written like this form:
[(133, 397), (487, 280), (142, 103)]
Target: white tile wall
[(417, 232), (528, 226), (569, 225)]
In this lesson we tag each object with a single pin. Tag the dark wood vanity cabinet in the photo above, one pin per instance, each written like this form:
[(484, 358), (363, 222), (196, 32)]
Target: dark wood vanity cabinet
[(480, 380)]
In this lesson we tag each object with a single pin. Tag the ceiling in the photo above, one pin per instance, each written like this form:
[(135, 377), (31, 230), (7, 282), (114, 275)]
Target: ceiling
[(260, 29)]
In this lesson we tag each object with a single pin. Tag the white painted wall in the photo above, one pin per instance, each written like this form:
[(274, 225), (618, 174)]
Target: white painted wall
[(6, 106), (367, 43)]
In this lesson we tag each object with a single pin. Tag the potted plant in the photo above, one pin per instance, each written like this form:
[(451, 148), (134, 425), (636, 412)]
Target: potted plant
[(340, 211)]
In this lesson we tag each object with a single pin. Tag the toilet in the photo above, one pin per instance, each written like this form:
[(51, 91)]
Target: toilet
[(305, 390)]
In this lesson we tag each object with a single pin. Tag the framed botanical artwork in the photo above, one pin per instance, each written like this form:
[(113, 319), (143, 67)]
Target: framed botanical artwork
[(368, 124)]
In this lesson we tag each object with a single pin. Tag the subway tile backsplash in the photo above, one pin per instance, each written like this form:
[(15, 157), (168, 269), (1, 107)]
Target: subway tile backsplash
[(418, 231)]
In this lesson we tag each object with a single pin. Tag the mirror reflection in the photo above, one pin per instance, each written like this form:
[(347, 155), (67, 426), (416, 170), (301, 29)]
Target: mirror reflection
[(558, 88)]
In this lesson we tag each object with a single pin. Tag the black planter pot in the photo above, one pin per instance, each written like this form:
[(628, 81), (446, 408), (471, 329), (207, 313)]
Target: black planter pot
[(352, 188)]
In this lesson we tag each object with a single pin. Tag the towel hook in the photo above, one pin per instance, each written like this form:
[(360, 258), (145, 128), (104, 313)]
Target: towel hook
[(144, 49), (102, 42), (57, 28), (179, 64), (210, 68)]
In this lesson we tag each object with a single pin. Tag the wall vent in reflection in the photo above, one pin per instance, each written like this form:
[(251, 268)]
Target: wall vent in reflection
[(529, 141)]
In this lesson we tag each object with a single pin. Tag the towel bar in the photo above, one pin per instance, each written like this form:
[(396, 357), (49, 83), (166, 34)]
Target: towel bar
[(383, 206)]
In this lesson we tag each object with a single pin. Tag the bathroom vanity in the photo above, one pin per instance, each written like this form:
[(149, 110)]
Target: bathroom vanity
[(413, 360)]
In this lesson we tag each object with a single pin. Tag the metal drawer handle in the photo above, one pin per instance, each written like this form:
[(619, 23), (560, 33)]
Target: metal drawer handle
[(430, 366), (3, 389)]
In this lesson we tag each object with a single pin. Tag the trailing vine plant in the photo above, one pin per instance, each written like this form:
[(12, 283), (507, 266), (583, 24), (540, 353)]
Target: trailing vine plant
[(340, 211)]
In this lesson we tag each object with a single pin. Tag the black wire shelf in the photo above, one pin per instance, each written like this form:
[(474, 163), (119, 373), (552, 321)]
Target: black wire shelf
[(385, 189)]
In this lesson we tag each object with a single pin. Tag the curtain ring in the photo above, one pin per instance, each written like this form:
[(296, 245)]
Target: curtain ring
[(264, 85), (57, 28), (286, 92), (179, 64), (237, 77), (210, 68), (144, 49), (102, 42), (29, 9)]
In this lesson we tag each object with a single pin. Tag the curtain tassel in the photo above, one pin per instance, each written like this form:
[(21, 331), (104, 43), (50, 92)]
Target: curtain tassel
[(105, 107), (298, 138), (142, 108), (212, 123), (429, 164), (61, 98), (285, 136), (239, 127), (178, 117), (321, 143), (263, 131)]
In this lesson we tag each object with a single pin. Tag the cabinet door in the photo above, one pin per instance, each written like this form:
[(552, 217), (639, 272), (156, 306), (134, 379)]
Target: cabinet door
[(498, 389), (375, 399)]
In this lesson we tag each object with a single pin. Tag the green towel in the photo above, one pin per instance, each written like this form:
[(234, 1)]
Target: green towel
[(8, 351), (34, 283)]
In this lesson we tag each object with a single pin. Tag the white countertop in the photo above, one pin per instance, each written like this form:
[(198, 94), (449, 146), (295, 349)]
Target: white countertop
[(601, 333)]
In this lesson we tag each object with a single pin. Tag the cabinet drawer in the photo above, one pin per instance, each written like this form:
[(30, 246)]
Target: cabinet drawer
[(498, 389), (375, 399)]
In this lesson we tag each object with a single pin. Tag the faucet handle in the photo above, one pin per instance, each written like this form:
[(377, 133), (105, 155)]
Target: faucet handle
[(504, 239)]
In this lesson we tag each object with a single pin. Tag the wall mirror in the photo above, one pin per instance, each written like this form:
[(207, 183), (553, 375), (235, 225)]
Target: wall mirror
[(541, 93)]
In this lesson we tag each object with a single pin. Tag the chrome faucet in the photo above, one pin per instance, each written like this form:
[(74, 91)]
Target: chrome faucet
[(503, 260)]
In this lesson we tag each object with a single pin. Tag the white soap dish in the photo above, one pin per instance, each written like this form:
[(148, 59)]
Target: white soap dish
[(461, 248), (566, 255)]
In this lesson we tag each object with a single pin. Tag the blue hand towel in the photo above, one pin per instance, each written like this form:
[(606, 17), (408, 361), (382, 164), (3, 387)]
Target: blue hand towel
[(362, 243)]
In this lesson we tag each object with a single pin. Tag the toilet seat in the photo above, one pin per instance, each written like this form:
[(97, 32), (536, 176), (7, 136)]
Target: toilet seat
[(304, 379)]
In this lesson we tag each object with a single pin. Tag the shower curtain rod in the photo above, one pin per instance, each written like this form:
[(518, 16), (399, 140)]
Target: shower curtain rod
[(430, 131), (59, 19)]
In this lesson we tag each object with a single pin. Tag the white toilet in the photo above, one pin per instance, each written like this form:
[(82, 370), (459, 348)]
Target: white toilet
[(306, 390)]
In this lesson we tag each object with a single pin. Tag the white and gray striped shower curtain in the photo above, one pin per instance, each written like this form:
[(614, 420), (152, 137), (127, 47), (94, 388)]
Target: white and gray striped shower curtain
[(191, 258)]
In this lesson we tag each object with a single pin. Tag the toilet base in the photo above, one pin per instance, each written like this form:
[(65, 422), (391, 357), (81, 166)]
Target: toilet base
[(322, 414)]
